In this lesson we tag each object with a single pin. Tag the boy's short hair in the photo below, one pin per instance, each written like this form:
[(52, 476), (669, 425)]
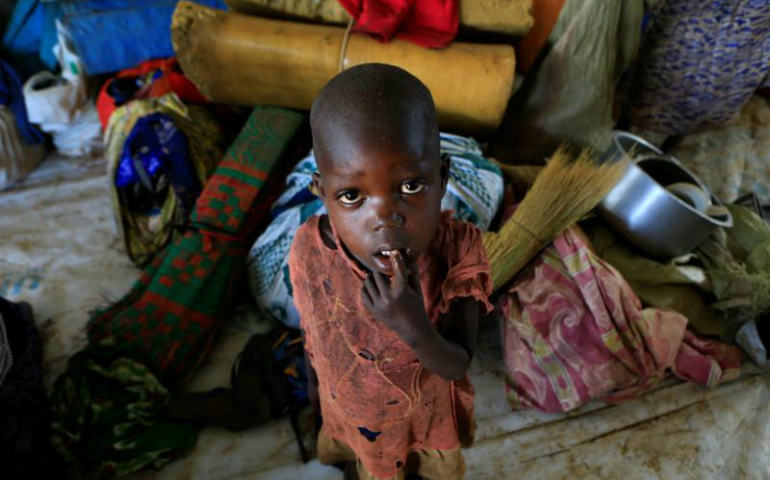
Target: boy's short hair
[(375, 96)]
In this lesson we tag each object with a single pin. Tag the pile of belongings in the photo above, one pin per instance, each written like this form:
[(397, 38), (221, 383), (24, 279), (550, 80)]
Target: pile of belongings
[(110, 408), (247, 60), (160, 154), (578, 323), (162, 144), (573, 330)]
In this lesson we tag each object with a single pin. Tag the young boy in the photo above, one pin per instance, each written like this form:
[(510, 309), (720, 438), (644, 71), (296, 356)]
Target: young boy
[(389, 289)]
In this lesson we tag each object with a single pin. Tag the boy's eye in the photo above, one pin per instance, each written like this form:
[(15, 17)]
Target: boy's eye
[(351, 197), (411, 187)]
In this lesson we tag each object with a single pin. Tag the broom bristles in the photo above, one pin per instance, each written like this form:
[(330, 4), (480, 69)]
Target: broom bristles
[(563, 193)]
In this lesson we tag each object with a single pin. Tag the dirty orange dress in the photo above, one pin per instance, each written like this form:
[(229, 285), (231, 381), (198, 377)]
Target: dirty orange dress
[(376, 397)]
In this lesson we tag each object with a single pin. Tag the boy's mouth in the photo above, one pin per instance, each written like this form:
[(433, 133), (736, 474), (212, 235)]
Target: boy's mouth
[(388, 252), (382, 257)]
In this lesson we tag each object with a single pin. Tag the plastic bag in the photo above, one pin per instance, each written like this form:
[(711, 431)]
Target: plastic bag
[(570, 95), (749, 338), (60, 104), (52, 100), (155, 156)]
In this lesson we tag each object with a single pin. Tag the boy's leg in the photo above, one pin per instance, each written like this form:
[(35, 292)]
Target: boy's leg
[(331, 452), (438, 464), (364, 475)]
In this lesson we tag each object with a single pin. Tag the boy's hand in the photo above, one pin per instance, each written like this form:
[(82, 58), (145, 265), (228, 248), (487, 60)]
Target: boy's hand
[(398, 302)]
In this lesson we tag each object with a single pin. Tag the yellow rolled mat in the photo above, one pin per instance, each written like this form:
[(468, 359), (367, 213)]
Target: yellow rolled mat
[(508, 17), (244, 60)]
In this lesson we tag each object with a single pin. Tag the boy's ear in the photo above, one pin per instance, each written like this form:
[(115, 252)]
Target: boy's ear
[(446, 161), (317, 188)]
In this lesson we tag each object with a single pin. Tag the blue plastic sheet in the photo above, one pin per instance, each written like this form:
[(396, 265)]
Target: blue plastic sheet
[(109, 35), (23, 37), (113, 35)]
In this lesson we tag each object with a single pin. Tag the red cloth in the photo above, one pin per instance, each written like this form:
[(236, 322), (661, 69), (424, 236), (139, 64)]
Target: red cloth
[(430, 23), (368, 378), (171, 80)]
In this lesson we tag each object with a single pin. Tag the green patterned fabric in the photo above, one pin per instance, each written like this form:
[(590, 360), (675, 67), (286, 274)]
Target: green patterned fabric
[(107, 414), (170, 315)]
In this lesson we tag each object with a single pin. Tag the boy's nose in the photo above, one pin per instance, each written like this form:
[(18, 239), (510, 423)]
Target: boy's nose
[(386, 215), (395, 220)]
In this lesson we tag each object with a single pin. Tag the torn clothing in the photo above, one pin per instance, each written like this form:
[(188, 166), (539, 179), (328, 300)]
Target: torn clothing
[(376, 397)]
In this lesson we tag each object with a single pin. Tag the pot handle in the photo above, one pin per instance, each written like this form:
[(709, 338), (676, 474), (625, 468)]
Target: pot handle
[(664, 156)]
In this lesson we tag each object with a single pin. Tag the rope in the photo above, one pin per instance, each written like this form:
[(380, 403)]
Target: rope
[(344, 47)]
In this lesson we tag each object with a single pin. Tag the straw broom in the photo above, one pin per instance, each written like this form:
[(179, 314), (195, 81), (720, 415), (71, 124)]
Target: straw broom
[(563, 192)]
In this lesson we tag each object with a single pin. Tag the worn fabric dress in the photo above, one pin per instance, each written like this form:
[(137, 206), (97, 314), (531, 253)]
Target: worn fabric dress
[(376, 397)]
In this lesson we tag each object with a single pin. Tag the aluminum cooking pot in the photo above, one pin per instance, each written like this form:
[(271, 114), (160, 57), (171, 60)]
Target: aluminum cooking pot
[(641, 209)]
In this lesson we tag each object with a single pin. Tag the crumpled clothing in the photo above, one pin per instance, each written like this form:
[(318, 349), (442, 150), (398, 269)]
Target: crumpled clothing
[(108, 413), (677, 284), (155, 154), (376, 397), (732, 160), (151, 79), (719, 287), (109, 403), (430, 23), (574, 331), (172, 312), (25, 419), (474, 193), (699, 64), (737, 261), (146, 234)]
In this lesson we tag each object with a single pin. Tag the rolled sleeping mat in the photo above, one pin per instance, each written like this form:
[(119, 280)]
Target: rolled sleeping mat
[(245, 60)]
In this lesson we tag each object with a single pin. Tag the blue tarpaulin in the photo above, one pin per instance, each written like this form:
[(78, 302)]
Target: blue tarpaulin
[(23, 40), (108, 35), (121, 33)]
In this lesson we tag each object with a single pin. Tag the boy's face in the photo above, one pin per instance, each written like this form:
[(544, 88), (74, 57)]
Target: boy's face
[(381, 198)]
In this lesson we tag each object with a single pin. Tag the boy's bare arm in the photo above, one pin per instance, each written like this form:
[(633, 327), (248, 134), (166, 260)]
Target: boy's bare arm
[(448, 352), (399, 305)]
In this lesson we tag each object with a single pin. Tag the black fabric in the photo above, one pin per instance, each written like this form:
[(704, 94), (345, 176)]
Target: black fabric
[(25, 421)]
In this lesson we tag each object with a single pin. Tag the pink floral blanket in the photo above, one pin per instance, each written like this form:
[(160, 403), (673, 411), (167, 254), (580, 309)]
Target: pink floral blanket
[(573, 330)]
